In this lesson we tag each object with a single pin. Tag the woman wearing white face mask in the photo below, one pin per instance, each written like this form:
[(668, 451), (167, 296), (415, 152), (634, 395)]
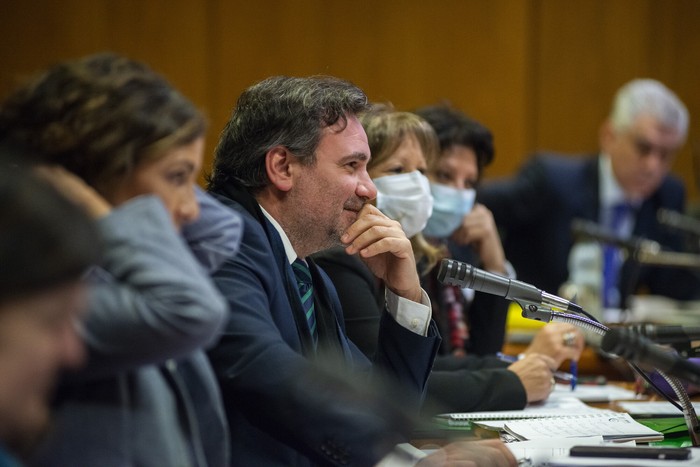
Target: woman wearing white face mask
[(403, 146)]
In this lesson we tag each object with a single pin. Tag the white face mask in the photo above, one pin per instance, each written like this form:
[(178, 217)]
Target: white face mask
[(449, 207), (405, 198)]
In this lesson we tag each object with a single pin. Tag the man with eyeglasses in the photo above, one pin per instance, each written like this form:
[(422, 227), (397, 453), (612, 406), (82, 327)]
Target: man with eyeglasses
[(622, 188)]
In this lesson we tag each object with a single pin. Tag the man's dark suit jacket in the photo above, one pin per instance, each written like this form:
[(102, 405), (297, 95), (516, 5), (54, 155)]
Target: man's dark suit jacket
[(280, 410), (534, 211), (465, 384)]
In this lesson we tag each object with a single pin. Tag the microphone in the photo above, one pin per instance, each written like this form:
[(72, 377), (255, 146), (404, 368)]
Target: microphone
[(667, 334), (679, 221), (594, 231), (465, 275), (642, 250), (640, 350)]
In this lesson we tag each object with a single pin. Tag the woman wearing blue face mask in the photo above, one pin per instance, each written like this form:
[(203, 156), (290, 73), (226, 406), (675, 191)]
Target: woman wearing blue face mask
[(403, 147), (466, 230), (469, 232)]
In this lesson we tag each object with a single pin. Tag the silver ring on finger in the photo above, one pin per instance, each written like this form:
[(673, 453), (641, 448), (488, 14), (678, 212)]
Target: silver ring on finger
[(569, 339)]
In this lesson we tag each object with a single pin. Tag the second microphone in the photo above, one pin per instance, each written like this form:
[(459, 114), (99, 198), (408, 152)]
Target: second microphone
[(467, 276)]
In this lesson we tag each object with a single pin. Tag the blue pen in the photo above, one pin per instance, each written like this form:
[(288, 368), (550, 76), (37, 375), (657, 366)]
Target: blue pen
[(573, 368), (506, 358)]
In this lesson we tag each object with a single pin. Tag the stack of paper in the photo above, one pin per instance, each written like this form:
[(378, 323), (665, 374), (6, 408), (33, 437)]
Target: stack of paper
[(612, 426), (593, 393)]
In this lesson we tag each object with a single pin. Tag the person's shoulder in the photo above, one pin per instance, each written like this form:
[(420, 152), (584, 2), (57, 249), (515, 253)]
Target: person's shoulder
[(230, 203), (672, 182), (671, 191), (557, 161), (562, 171)]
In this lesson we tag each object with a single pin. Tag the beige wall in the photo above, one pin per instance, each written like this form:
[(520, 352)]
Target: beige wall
[(539, 73)]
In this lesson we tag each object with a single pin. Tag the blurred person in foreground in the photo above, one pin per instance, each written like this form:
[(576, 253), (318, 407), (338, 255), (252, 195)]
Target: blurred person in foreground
[(118, 139), (46, 245)]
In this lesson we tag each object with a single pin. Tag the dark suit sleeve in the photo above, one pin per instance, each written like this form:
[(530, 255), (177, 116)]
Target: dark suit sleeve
[(518, 201), (471, 383), (474, 390)]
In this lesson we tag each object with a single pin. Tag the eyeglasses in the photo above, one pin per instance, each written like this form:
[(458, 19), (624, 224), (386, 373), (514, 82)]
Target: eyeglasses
[(645, 148)]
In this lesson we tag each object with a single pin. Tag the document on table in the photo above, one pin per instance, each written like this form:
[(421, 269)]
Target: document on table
[(618, 462), (593, 393), (612, 426), (541, 451), (653, 409)]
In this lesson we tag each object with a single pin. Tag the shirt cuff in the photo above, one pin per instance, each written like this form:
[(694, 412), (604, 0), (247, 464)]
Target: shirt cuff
[(412, 315)]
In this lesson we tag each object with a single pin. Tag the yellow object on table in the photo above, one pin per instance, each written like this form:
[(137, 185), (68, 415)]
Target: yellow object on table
[(518, 329)]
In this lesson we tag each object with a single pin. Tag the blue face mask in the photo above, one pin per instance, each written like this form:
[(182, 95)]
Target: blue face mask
[(450, 205)]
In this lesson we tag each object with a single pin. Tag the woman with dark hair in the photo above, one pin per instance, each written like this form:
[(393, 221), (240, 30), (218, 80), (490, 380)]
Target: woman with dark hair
[(129, 148)]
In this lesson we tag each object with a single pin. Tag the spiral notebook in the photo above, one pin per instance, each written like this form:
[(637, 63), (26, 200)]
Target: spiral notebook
[(612, 426), (562, 406)]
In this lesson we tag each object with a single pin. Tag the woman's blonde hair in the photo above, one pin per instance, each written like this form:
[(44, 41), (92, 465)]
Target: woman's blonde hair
[(386, 129)]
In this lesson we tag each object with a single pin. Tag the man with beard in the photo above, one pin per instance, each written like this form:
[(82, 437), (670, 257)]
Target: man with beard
[(292, 160)]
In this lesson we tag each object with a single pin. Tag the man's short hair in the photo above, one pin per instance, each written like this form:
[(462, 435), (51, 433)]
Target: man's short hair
[(648, 97), (280, 111)]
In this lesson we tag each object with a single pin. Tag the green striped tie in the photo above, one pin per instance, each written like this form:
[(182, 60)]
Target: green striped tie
[(306, 292)]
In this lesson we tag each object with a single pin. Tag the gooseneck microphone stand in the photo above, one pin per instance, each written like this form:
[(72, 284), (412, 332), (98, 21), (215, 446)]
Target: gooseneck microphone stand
[(541, 306), (538, 312)]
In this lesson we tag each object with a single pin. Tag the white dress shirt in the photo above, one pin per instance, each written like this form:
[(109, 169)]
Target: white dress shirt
[(411, 315)]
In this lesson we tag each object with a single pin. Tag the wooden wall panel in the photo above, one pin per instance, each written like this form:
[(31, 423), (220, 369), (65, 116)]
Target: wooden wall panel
[(539, 73), (38, 33), (675, 55), (410, 53), (586, 50)]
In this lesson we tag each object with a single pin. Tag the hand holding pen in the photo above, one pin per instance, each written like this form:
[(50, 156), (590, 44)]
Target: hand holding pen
[(571, 378), (535, 374), (561, 341)]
